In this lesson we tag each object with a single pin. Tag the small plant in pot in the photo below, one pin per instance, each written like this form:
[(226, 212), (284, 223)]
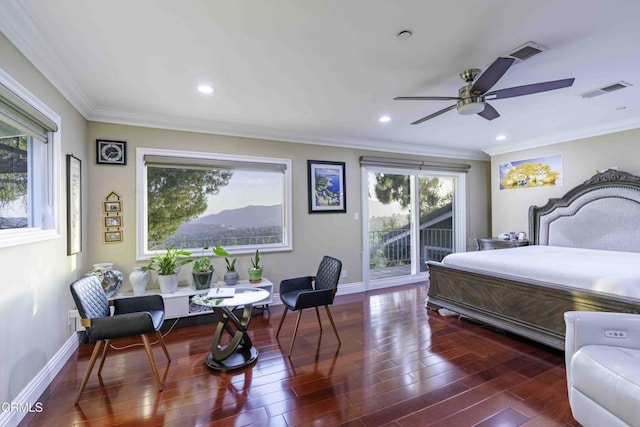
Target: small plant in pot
[(231, 276), (167, 266), (202, 271), (255, 272)]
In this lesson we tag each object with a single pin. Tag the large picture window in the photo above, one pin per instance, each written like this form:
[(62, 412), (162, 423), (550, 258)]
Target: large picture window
[(29, 149), (193, 199)]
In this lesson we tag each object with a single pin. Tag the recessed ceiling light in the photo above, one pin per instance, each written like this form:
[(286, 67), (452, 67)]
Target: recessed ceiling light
[(404, 34), (205, 89), (384, 119), (501, 137)]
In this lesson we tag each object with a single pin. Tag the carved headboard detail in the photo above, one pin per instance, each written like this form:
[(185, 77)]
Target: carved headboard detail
[(601, 213)]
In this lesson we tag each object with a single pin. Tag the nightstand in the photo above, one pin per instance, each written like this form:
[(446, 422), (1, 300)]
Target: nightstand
[(484, 244)]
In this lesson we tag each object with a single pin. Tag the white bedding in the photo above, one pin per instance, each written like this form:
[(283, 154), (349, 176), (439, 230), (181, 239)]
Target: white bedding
[(610, 272)]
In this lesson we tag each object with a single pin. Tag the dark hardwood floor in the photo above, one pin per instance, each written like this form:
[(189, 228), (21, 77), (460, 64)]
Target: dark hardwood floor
[(398, 365)]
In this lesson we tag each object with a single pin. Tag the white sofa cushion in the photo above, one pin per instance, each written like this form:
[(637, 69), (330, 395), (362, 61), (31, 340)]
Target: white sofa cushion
[(610, 376)]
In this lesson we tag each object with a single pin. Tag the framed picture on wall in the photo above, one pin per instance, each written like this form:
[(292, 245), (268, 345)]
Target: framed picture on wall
[(112, 221), (327, 187), (112, 207), (113, 236), (74, 205)]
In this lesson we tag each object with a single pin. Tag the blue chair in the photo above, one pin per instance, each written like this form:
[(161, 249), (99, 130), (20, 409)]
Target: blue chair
[(311, 291)]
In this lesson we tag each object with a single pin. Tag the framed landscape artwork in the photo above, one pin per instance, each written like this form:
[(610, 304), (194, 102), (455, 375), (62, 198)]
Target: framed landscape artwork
[(327, 189)]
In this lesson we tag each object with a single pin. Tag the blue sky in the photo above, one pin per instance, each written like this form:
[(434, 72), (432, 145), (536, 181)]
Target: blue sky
[(248, 188)]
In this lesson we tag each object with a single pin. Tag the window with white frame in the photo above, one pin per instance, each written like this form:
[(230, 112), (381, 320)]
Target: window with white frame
[(192, 200), (28, 168)]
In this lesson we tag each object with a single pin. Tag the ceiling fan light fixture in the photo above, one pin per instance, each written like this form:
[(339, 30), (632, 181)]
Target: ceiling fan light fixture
[(471, 107)]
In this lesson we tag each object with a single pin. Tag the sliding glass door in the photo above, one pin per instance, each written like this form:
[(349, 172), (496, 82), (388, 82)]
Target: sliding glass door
[(412, 217), (436, 220), (390, 234)]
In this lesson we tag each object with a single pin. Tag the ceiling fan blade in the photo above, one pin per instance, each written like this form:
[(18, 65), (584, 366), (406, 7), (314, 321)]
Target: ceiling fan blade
[(491, 75), (529, 89), (489, 112), (426, 98), (436, 114)]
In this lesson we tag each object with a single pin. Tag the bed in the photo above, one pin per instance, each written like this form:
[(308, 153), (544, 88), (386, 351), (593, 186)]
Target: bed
[(594, 230)]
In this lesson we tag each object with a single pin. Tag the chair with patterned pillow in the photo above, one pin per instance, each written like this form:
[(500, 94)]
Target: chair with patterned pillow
[(132, 316), (311, 291)]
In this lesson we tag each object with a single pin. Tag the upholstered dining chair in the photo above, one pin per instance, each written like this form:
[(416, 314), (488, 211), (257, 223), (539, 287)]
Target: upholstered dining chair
[(311, 291), (132, 316)]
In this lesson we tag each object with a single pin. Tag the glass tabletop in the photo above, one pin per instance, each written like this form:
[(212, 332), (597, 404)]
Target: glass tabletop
[(241, 296)]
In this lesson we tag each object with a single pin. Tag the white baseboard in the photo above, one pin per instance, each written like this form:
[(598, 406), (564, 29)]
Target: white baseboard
[(27, 399), (396, 281), (350, 288)]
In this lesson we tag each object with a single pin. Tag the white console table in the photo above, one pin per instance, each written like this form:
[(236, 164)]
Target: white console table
[(178, 304)]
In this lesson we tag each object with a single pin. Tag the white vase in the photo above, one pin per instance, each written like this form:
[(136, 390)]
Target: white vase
[(168, 283), (139, 280)]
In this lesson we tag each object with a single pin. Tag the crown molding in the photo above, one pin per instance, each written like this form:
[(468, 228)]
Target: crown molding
[(248, 131), (20, 30), (586, 132)]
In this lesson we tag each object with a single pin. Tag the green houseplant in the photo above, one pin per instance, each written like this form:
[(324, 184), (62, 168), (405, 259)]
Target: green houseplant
[(231, 276), (167, 266), (255, 271), (202, 271)]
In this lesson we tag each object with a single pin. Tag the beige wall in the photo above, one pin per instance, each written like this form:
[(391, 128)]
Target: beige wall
[(339, 235), (580, 160), (34, 292), (313, 235)]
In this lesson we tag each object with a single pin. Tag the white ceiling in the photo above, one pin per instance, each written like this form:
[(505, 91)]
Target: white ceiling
[(323, 71)]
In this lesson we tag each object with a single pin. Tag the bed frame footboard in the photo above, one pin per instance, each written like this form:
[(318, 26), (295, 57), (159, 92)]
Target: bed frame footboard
[(529, 308)]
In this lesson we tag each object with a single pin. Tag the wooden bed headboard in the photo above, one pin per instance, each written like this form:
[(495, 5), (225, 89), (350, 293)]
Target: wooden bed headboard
[(601, 213)]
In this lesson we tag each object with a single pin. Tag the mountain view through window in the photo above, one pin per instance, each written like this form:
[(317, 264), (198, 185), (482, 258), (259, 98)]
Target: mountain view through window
[(196, 207)]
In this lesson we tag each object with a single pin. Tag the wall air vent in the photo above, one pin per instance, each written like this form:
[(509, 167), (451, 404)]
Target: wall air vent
[(526, 51), (606, 89)]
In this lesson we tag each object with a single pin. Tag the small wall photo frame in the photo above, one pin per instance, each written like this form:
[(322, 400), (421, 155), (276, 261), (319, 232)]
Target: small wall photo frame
[(111, 152), (327, 191), (112, 221), (112, 207), (112, 236)]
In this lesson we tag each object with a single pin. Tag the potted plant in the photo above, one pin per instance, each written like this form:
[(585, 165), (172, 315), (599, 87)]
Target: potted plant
[(202, 271), (255, 272), (231, 276), (167, 266)]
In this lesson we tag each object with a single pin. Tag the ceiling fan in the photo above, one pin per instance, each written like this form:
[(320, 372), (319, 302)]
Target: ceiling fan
[(472, 97)]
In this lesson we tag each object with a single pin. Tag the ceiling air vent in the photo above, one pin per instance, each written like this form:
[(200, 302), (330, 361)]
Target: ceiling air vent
[(606, 89), (526, 51)]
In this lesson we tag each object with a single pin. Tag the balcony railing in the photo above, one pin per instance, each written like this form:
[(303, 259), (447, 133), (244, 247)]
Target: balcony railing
[(390, 248)]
